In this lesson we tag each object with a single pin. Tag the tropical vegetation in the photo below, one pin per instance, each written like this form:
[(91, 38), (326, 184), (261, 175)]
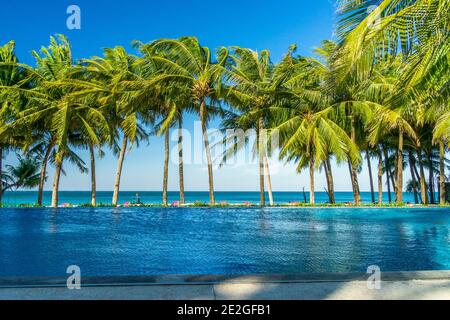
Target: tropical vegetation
[(377, 94)]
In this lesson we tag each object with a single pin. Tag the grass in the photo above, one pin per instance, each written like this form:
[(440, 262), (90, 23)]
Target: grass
[(245, 205)]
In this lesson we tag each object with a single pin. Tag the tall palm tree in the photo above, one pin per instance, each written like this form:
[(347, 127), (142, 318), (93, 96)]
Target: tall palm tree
[(11, 76), (389, 120), (54, 101), (255, 90), (187, 63), (110, 76), (308, 136)]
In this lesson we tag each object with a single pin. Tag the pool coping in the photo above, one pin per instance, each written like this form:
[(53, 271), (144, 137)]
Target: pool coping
[(170, 280)]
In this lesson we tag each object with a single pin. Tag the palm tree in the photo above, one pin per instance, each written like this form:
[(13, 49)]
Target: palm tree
[(110, 77), (255, 89), (25, 175), (11, 76), (308, 136), (388, 120), (187, 63), (54, 101)]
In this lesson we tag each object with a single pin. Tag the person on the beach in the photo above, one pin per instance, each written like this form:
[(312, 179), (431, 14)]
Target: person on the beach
[(138, 199)]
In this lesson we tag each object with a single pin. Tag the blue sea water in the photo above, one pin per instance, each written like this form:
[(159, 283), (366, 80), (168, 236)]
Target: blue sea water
[(84, 197), (155, 241)]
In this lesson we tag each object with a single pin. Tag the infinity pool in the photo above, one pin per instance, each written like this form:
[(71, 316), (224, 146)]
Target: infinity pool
[(143, 241)]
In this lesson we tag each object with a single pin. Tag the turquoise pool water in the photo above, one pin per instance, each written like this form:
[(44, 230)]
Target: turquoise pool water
[(149, 241)]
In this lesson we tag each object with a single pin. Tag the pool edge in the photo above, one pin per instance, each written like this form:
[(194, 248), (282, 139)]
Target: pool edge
[(167, 280)]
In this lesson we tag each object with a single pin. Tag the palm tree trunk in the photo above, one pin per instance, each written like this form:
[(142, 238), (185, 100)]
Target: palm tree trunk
[(369, 165), (442, 199), (388, 171), (260, 150), (44, 173), (413, 176), (208, 152), (93, 177), (123, 150), (431, 179), (59, 164), (166, 169), (1, 176), (180, 156), (269, 181), (393, 177), (423, 186), (380, 177), (353, 171), (355, 184), (312, 199), (399, 188), (330, 180)]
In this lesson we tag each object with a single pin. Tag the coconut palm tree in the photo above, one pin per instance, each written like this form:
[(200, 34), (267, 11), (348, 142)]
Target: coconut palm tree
[(389, 120), (187, 63), (111, 75), (54, 101), (25, 175), (307, 136), (11, 76), (255, 88)]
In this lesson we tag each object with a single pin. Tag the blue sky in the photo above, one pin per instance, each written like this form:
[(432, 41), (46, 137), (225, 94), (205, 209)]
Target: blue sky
[(272, 25)]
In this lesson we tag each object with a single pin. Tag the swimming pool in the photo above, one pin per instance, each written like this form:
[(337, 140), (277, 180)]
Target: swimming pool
[(151, 241)]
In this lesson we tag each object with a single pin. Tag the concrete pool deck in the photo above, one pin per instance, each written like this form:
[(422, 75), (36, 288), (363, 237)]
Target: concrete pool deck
[(424, 285)]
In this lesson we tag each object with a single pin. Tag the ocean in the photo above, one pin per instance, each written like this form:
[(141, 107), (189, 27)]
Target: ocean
[(104, 197)]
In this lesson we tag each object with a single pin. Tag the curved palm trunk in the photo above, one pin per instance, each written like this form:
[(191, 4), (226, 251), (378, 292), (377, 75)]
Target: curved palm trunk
[(388, 173), (180, 156), (423, 186), (353, 171), (330, 181), (44, 173), (123, 150), (413, 176), (380, 177), (369, 164), (442, 199), (93, 177), (208, 152), (355, 184), (269, 181), (260, 150), (399, 187), (312, 198), (59, 164), (166, 169)]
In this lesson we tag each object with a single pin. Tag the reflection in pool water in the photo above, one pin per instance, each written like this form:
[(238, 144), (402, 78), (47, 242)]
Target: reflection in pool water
[(150, 241)]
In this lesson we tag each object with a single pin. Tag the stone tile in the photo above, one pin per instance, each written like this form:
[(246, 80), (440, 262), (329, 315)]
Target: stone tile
[(198, 292)]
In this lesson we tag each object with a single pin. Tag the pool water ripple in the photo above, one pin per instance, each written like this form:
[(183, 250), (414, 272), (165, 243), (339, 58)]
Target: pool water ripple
[(154, 241)]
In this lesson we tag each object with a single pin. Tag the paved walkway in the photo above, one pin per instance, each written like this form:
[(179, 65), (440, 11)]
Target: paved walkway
[(348, 290)]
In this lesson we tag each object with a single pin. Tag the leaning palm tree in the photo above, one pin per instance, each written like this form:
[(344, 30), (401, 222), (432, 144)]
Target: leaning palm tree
[(109, 76), (55, 102), (187, 63), (25, 175)]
